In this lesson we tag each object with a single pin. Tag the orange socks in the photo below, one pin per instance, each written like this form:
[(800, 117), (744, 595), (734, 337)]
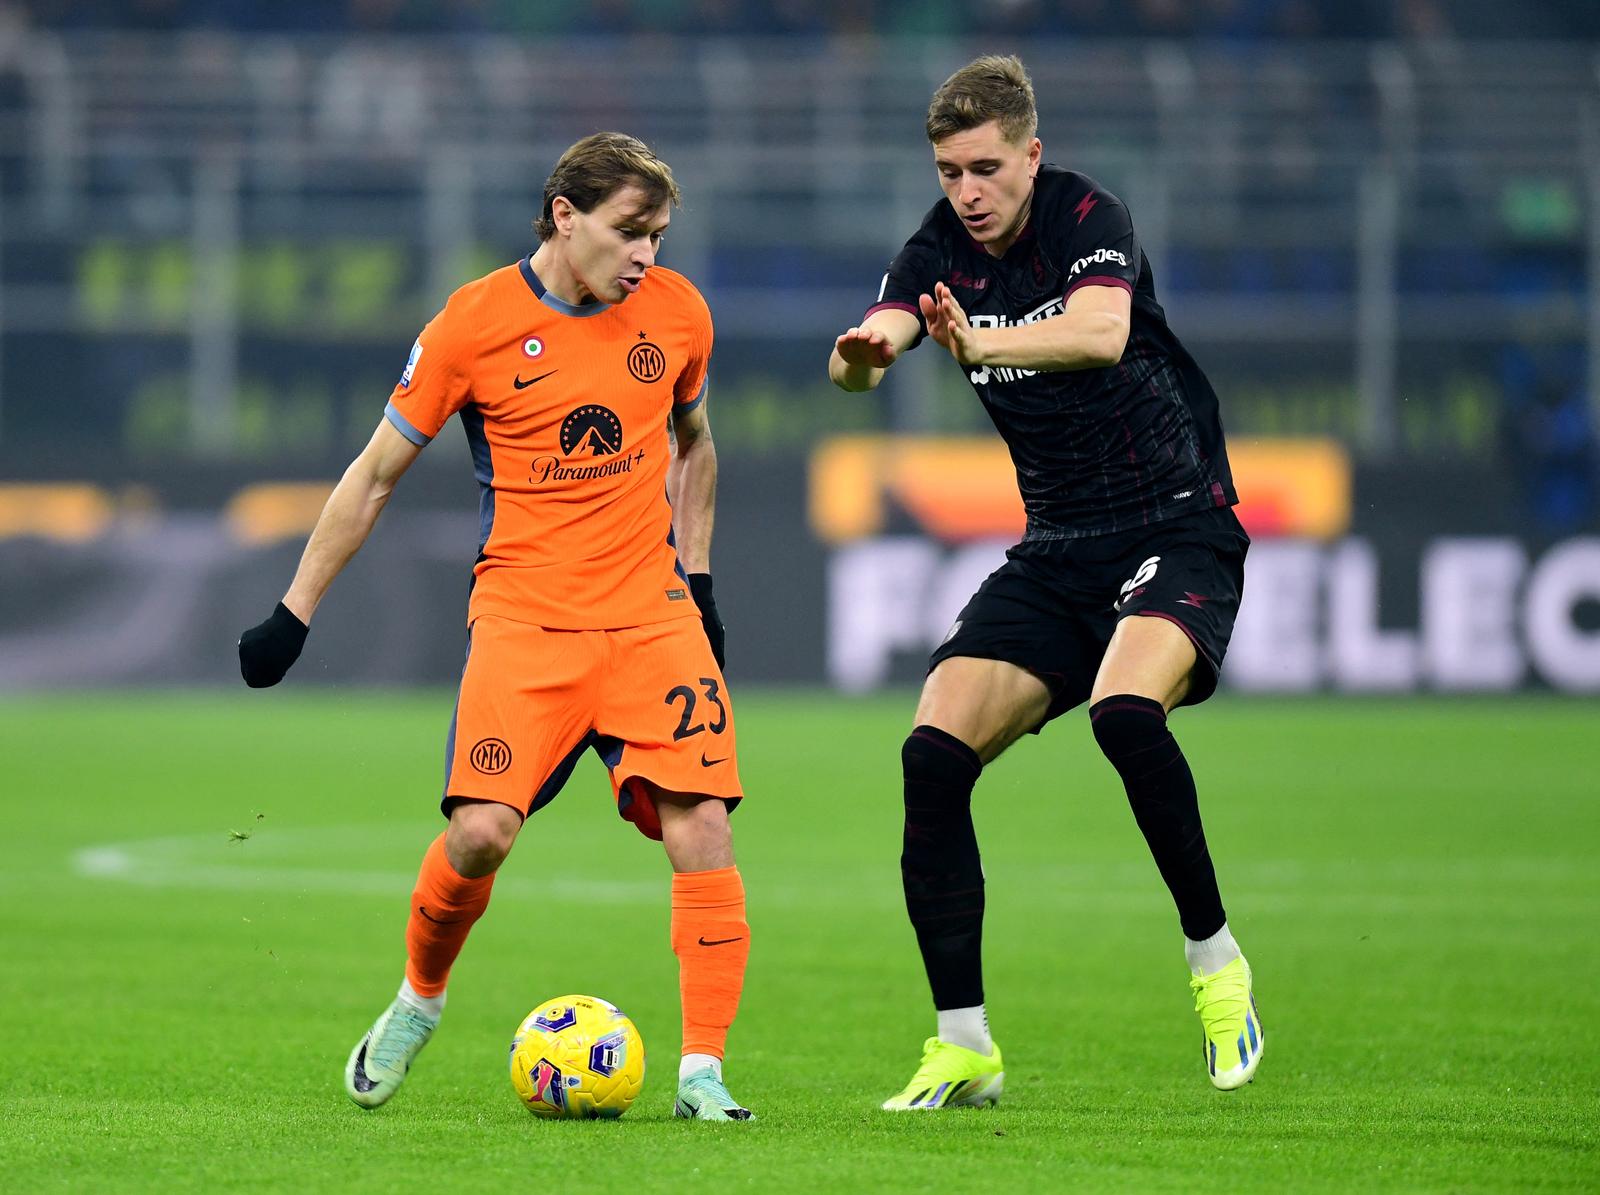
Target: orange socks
[(444, 906), (709, 935), (712, 941)]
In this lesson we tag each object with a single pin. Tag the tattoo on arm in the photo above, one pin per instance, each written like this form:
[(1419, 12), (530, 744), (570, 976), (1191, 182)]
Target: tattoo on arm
[(689, 426)]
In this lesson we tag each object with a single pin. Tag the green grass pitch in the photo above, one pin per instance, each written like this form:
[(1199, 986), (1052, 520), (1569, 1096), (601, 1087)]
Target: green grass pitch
[(205, 896)]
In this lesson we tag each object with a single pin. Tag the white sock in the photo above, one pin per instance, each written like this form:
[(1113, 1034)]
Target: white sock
[(1213, 954), (967, 1027), (429, 1006), (690, 1063)]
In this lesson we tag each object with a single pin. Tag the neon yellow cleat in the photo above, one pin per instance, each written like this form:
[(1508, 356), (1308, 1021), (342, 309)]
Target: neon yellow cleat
[(951, 1076), (1231, 1026)]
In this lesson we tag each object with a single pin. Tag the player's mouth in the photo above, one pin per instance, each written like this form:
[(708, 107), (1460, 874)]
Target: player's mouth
[(630, 285), (978, 222)]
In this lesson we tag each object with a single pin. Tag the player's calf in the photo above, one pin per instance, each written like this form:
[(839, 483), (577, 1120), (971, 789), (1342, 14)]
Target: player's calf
[(1132, 733), (940, 867)]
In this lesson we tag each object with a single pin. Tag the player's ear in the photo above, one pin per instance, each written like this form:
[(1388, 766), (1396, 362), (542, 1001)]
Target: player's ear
[(1035, 153), (562, 213)]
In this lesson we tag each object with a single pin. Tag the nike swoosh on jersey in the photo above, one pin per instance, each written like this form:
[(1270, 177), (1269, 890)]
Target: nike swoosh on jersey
[(720, 941), (521, 385)]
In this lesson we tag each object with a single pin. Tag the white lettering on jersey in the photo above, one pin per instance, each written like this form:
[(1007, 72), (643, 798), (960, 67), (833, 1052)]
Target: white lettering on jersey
[(1098, 257), (882, 287), (1005, 373)]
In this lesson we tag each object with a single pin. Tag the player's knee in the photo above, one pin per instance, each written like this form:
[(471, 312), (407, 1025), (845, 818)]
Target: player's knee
[(933, 759), (706, 818), (480, 836), (1125, 725), (695, 830)]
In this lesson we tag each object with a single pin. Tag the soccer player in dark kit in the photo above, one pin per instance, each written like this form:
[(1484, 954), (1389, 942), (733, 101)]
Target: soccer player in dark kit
[(1125, 585)]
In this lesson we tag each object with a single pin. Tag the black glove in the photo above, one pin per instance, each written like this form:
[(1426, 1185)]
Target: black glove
[(700, 586), (267, 651)]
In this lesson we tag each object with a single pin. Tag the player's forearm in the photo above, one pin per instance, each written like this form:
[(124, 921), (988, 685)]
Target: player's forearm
[(853, 377), (692, 487), (346, 520), (1092, 340)]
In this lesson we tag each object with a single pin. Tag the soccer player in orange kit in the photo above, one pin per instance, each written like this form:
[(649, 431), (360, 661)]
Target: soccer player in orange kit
[(591, 622)]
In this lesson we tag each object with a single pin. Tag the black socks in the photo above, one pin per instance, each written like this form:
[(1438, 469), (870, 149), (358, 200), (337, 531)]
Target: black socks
[(939, 864), (1132, 731)]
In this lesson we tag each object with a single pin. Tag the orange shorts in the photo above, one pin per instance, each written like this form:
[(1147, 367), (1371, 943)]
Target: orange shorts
[(650, 701)]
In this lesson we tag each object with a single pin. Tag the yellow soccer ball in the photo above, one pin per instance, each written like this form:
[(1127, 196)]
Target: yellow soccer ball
[(577, 1058)]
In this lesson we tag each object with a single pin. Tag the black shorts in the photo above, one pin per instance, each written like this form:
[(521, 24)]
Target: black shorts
[(1051, 609)]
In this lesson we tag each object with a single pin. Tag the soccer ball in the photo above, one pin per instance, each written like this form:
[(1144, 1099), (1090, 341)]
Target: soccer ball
[(577, 1058)]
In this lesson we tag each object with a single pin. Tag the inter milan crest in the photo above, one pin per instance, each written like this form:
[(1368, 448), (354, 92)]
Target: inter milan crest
[(490, 756), (647, 362), (591, 430)]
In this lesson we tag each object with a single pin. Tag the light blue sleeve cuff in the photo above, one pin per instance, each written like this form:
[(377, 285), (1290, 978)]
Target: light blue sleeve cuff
[(403, 426)]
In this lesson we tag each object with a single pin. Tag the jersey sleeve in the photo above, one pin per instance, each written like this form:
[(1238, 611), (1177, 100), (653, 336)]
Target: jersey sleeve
[(435, 383), (911, 274), (1101, 249), (689, 391)]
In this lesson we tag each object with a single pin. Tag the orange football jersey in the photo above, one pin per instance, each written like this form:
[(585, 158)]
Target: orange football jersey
[(566, 412)]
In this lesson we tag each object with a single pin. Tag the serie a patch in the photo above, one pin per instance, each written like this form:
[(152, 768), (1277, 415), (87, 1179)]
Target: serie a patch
[(411, 363)]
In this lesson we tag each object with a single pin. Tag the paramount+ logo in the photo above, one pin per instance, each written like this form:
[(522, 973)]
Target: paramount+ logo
[(591, 430), (589, 433), (490, 756)]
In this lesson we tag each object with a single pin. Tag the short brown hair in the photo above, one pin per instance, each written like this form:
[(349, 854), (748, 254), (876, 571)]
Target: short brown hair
[(988, 88), (596, 168)]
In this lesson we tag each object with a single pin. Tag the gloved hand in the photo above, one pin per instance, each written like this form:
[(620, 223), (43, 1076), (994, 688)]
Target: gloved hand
[(267, 651), (700, 587)]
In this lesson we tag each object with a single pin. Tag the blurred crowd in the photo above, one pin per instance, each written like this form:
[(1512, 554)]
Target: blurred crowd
[(1214, 19), (1519, 236)]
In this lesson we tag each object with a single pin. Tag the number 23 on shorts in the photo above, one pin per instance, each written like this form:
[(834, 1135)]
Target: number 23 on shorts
[(688, 727)]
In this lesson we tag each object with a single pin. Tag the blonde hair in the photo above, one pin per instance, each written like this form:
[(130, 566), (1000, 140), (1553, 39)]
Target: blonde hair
[(993, 87), (596, 168)]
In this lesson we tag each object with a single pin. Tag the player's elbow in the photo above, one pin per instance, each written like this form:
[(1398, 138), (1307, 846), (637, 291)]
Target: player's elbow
[(1105, 355), (1107, 347)]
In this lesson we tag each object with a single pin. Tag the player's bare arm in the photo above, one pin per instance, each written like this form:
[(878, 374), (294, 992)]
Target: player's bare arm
[(268, 650), (692, 487), (349, 516), (1090, 334), (862, 354), (692, 490)]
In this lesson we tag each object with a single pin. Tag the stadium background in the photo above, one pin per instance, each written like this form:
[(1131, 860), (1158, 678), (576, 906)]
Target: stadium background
[(1376, 225), (222, 224)]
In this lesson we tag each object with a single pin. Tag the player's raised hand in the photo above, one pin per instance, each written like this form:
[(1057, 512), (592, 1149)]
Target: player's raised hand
[(268, 649), (864, 346), (948, 324)]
